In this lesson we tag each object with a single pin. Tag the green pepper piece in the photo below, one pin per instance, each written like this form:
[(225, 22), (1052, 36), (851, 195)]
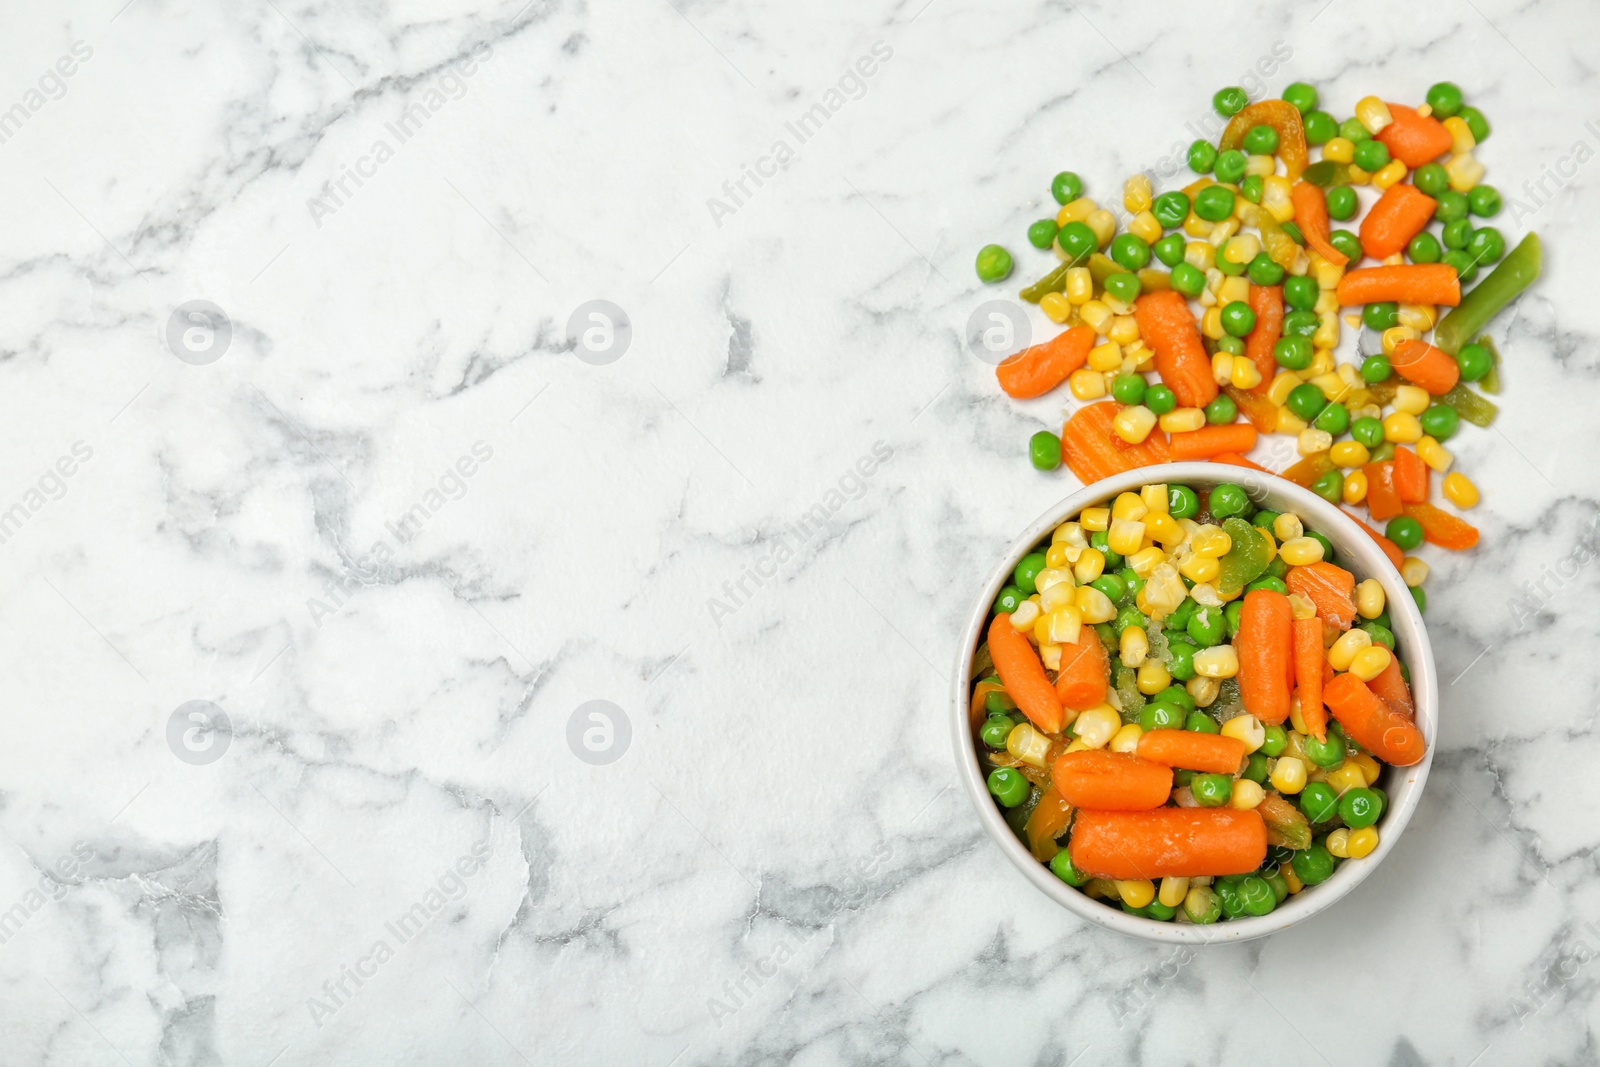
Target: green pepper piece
[(1490, 383), (1504, 284), (1326, 173), (1470, 406), (1102, 266), (1054, 282), (1244, 561)]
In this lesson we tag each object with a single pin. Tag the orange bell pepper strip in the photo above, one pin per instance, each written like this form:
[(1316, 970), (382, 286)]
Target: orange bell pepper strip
[(1442, 528), (1311, 215), (1283, 117)]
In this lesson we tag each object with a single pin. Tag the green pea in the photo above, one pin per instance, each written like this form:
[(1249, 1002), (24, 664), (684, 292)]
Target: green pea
[(1160, 400), (1180, 660), (1458, 233), (996, 729), (1113, 587), (1008, 785), (1161, 715), (1180, 617), (1124, 286), (1474, 361), (1225, 265), (1431, 178), (1188, 279), (1202, 157), (1130, 250), (1214, 203), (1231, 615), (1329, 487), (1476, 123), (1201, 723), (1106, 633), (1099, 541), (1404, 531), (1129, 616), (1320, 127), (1325, 754), (1300, 292), (1367, 430), (1211, 790), (1421, 599), (1237, 318), (1009, 600), (1130, 577), (1383, 453), (1042, 234), (1276, 741), (1222, 411), (994, 263), (1444, 99), (1264, 518), (1227, 499), (1061, 866), (1279, 884), (1264, 270), (1128, 389), (1229, 101), (999, 702), (1159, 911), (1440, 421), (1177, 694), (1305, 401), (1424, 248), (1066, 187), (1487, 245), (1346, 242), (1230, 344), (1227, 891), (1077, 241), (1342, 203), (1257, 895), (1313, 865), (1267, 581), (1301, 95), (1255, 767), (1300, 323), (1044, 450), (1327, 546), (1252, 188), (1359, 808), (1318, 801), (1294, 233), (1170, 209), (1202, 906), (1461, 261), (1261, 140), (1028, 569), (1381, 635), (1381, 316), (1335, 418), (1371, 155), (1206, 627), (1230, 165), (1352, 130), (1170, 249), (1375, 368), (1451, 206)]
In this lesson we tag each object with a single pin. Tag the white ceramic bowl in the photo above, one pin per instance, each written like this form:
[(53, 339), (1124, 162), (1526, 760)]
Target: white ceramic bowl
[(1355, 551)]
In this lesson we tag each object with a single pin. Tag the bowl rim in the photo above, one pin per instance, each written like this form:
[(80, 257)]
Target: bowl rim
[(1356, 550)]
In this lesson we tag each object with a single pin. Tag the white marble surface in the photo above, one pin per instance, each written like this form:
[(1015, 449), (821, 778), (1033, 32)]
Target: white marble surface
[(778, 868)]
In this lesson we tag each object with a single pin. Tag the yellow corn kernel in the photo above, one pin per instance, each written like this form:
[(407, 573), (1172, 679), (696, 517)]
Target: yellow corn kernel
[(1056, 307), (1328, 276), (1420, 317), (1345, 648), (1301, 551), (1464, 171), (1354, 488), (1338, 843), (1172, 891), (1221, 367), (1104, 225), (1395, 260), (1242, 249), (1125, 536), (1164, 530), (1235, 288), (1133, 424), (1339, 149), (1136, 195), (1090, 565), (1412, 399), (1080, 286), (1259, 165), (1288, 775), (1219, 661), (1368, 663), (1311, 441), (1126, 740), (1391, 339), (1180, 420), (1373, 113), (1026, 614), (1434, 454), (1246, 375), (1345, 777), (1286, 527), (1145, 560), (1357, 175), (1056, 597), (1163, 591), (1459, 490), (1246, 728), (1203, 691), (1096, 315), (1221, 231), (1461, 139), (1053, 576), (1402, 428), (1050, 656), (1065, 625), (1391, 173), (1106, 358), (1282, 384), (1211, 325), (1200, 255), (1096, 726), (1361, 842), (1297, 723), (1124, 330), (1086, 384), (1154, 497), (1327, 335), (1370, 768), (1094, 520), (1094, 607), (1289, 422), (1370, 599), (1129, 506), (1076, 210), (1028, 745), (1056, 555), (1144, 359), (1413, 571), (1321, 365), (1152, 677), (1349, 453), (1246, 795), (1275, 198), (1041, 630), (1146, 226), (1198, 568), (1136, 893), (1210, 540), (1134, 645), (1301, 607)]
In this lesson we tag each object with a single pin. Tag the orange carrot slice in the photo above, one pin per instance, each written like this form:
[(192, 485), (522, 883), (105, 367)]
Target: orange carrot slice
[(1442, 528), (1046, 822), (1238, 461), (1414, 139), (1168, 327), (1406, 283), (1023, 676), (1383, 502), (1402, 212), (1180, 842), (1311, 215), (1040, 368), (1267, 302), (1376, 727), (1410, 476), (1308, 660), (1392, 689), (1420, 363), (1085, 672), (1193, 751), (1088, 450), (1331, 588), (1390, 549), (1262, 645), (1210, 441), (1096, 780)]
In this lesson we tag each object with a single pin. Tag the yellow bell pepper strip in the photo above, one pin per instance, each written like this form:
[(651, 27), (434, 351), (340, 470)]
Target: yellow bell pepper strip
[(1283, 117)]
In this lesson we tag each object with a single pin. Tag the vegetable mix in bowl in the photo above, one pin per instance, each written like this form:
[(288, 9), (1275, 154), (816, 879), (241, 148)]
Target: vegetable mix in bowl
[(1184, 705)]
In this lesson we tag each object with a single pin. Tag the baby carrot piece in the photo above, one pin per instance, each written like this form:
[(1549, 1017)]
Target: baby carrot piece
[(1267, 302), (1410, 476), (1311, 215), (1193, 751), (1383, 503), (1414, 139), (1392, 689), (1402, 212), (1023, 676), (1096, 780), (1211, 441), (1167, 326), (1420, 363), (1091, 450), (1235, 460), (1262, 645), (1046, 822), (1085, 673), (1038, 369), (1181, 842), (1376, 727), (1331, 588), (1390, 549), (1442, 528), (1308, 660), (1407, 283)]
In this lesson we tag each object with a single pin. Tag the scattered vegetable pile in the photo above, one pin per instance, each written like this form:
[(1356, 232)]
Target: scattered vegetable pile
[(1232, 291), (1156, 690)]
